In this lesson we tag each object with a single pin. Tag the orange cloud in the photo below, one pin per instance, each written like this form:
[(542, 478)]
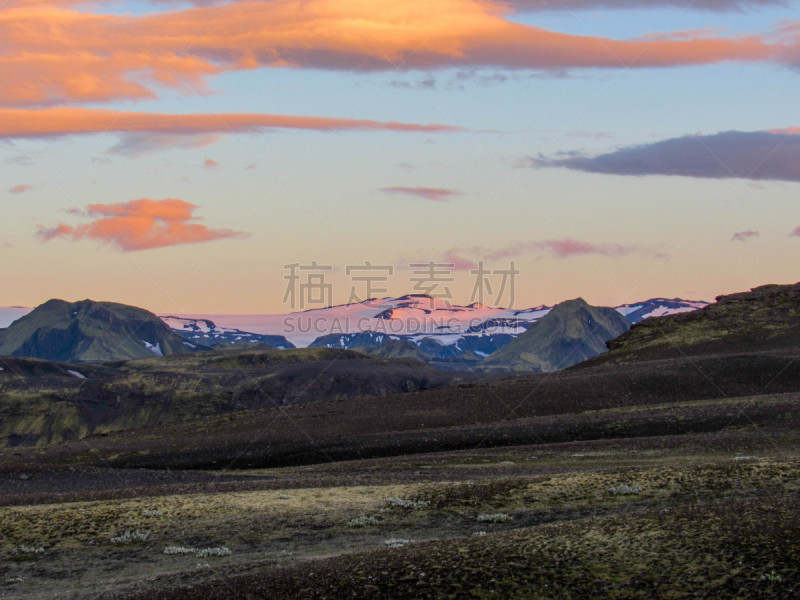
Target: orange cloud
[(163, 129), (522, 5), (210, 163), (140, 225), (51, 55)]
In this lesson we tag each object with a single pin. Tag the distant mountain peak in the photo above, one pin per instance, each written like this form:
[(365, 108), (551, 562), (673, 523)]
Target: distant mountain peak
[(570, 304), (573, 331), (90, 331)]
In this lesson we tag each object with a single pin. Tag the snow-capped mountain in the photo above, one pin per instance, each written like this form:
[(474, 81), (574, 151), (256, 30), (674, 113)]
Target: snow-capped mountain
[(658, 307), (463, 347), (208, 333), (431, 324), (447, 332)]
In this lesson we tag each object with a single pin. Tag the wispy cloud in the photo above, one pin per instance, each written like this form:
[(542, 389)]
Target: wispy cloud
[(743, 236), (20, 189), (558, 248), (141, 143), (139, 225), (426, 193), (146, 131), (758, 155), (210, 163)]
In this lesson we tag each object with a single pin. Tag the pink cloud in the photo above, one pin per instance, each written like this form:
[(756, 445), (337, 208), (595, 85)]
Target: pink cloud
[(20, 189), (459, 262), (569, 247), (787, 130), (140, 225), (435, 194), (743, 236), (210, 163)]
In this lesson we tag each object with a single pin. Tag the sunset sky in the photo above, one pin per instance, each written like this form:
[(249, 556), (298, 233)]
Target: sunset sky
[(177, 155)]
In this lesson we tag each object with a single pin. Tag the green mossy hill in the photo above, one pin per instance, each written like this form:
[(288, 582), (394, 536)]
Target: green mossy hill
[(766, 318), (572, 332), (43, 402), (90, 331)]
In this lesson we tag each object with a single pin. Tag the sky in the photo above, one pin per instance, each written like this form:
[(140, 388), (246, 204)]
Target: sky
[(181, 156)]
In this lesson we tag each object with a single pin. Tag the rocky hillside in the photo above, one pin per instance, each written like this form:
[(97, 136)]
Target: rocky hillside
[(765, 318)]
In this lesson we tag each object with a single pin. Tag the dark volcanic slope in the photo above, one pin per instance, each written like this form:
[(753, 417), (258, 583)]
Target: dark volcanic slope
[(523, 410), (765, 318), (576, 404), (570, 333), (45, 402), (91, 331)]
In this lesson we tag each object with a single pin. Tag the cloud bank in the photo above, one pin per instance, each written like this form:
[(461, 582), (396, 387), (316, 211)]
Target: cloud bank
[(758, 155), (140, 225), (51, 54)]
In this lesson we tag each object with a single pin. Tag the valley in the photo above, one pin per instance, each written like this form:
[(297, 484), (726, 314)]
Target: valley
[(669, 464)]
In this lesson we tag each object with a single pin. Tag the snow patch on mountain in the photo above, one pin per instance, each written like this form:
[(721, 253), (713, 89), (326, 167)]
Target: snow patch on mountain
[(154, 348), (205, 331)]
